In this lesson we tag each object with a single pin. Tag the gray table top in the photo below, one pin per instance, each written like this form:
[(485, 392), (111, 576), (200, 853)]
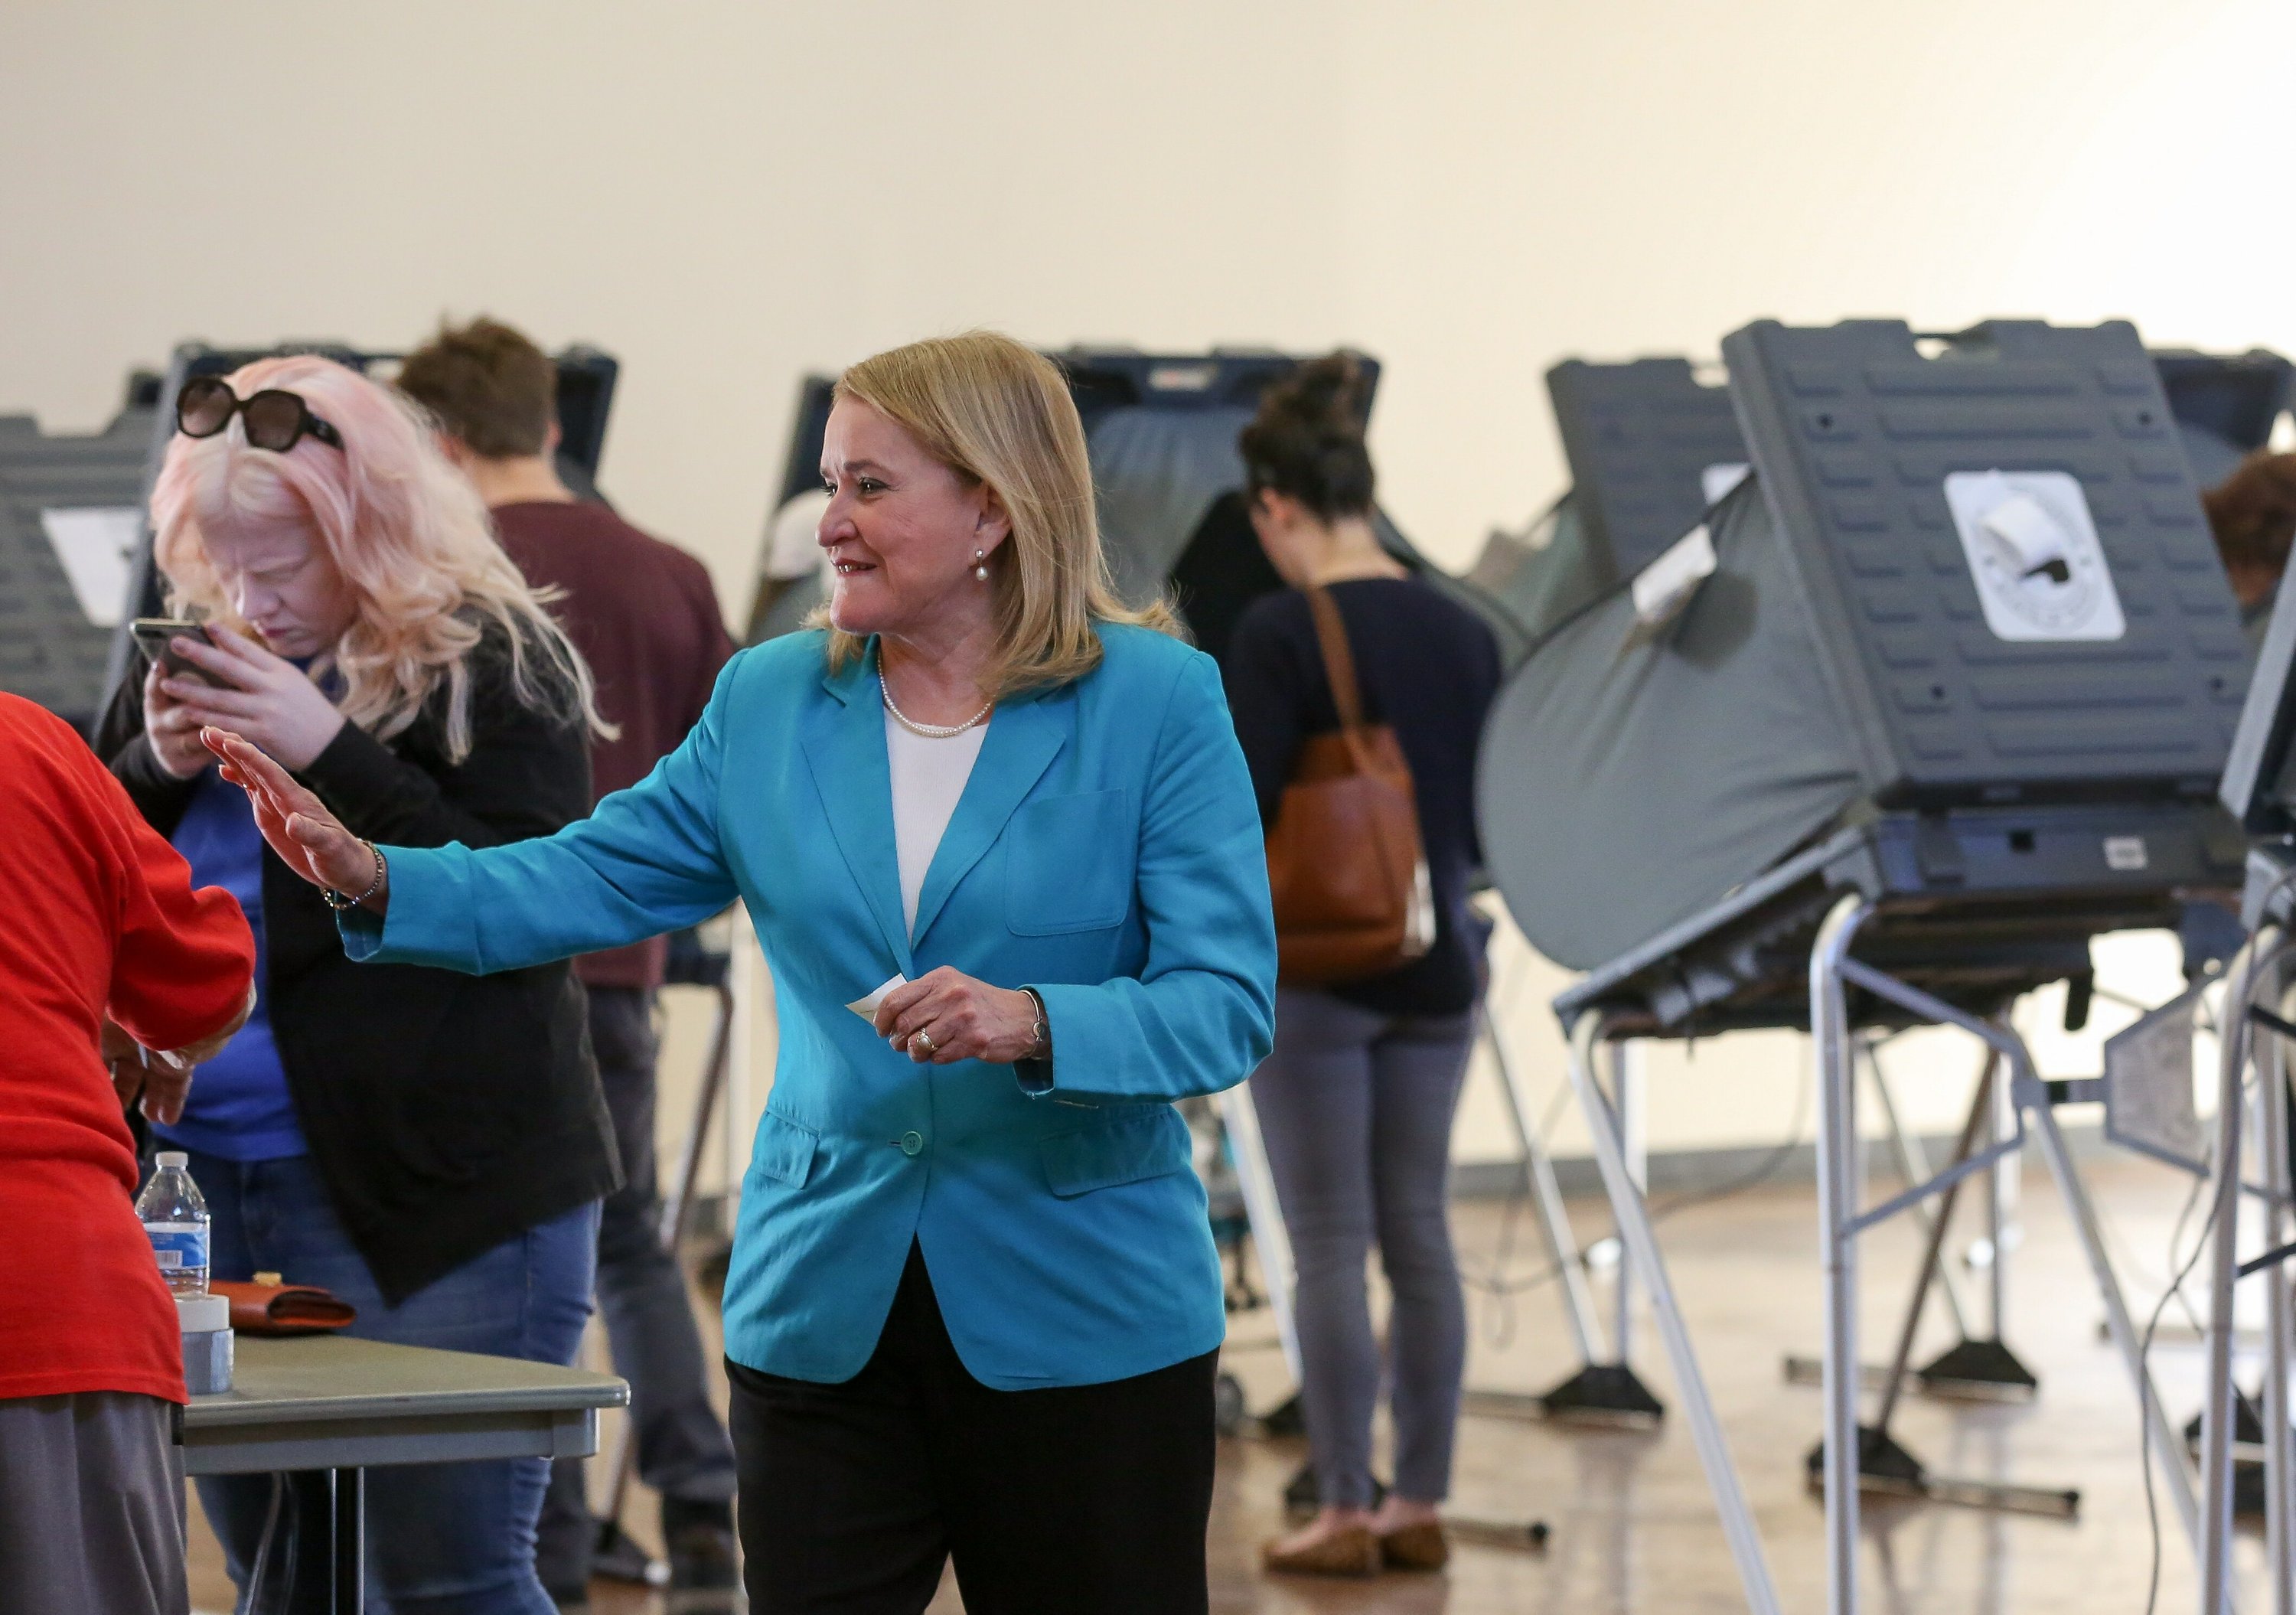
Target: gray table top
[(316, 1378)]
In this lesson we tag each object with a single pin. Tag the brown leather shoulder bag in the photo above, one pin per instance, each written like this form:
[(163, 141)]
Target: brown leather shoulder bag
[(1345, 862)]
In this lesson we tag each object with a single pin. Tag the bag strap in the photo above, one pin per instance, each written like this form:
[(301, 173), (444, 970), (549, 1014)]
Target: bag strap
[(1339, 659)]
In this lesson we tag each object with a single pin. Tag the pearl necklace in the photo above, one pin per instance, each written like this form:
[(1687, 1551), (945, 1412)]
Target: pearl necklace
[(930, 731)]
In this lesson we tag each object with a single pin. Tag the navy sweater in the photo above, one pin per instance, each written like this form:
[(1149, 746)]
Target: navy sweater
[(1429, 667)]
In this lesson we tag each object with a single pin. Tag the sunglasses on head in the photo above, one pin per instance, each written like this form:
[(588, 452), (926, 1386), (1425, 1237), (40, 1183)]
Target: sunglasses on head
[(275, 419)]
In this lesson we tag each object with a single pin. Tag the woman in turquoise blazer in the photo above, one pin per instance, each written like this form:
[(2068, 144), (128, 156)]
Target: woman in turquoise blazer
[(974, 1307)]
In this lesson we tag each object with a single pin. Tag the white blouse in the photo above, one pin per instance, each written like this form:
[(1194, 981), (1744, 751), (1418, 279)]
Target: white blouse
[(929, 775)]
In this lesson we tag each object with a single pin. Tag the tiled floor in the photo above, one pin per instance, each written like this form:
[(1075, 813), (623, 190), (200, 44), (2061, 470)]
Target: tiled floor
[(1633, 1527)]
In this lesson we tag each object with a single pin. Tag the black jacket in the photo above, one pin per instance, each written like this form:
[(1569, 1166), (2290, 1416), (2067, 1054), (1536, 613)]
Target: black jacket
[(445, 1113)]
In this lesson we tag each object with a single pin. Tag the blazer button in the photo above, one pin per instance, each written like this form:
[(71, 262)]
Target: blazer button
[(912, 1143)]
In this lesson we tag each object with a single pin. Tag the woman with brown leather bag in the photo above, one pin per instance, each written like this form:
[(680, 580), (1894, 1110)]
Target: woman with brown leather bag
[(1359, 695)]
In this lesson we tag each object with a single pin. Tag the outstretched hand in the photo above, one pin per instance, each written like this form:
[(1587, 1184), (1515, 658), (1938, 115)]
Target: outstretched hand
[(308, 839)]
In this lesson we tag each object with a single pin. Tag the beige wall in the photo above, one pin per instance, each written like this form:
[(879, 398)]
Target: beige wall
[(726, 195)]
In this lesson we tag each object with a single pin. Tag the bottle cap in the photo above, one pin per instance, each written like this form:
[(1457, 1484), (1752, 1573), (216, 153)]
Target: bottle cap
[(203, 1314), (172, 1159)]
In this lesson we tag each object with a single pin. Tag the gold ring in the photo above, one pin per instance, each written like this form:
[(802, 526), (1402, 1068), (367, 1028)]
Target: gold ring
[(924, 1038)]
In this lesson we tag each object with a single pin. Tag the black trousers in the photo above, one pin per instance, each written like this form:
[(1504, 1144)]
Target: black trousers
[(1090, 1497)]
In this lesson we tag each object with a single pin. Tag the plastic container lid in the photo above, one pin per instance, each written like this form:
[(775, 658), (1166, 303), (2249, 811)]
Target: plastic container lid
[(203, 1314), (172, 1157)]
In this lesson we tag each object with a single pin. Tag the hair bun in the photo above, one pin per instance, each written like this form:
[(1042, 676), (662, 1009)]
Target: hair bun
[(1307, 440)]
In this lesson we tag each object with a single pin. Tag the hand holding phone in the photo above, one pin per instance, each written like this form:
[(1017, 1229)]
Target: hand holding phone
[(155, 635)]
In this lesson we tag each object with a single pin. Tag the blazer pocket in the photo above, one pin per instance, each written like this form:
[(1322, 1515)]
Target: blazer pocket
[(1147, 1143), (783, 1150), (1069, 864)]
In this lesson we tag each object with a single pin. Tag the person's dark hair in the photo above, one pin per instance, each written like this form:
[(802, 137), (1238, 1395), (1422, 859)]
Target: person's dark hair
[(2252, 513), (487, 385), (1307, 439)]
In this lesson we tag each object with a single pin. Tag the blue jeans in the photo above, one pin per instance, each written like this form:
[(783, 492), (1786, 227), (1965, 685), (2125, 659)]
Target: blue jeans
[(442, 1538)]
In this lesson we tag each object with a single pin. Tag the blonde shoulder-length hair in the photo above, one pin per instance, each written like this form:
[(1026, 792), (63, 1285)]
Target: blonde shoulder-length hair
[(998, 412), (407, 530)]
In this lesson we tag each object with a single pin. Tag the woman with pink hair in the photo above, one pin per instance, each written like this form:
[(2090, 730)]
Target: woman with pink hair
[(431, 1146)]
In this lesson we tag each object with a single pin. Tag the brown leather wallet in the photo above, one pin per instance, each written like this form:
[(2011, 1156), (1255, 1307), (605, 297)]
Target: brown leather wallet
[(276, 1309)]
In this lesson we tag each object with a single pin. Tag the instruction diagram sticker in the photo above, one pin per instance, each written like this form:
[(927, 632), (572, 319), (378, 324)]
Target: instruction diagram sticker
[(2032, 549)]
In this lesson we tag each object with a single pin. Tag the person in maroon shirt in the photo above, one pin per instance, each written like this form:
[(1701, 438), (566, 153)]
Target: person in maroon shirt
[(645, 617)]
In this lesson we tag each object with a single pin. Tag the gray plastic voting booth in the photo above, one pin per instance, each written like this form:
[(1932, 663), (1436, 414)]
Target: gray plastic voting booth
[(1949, 698), (71, 523), (1650, 444)]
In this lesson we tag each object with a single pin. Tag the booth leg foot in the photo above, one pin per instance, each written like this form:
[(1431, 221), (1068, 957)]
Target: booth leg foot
[(1979, 1371), (1604, 1393), (1883, 1465)]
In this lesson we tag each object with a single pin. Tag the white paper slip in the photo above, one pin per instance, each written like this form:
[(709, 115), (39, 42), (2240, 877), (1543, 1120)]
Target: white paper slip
[(866, 1008)]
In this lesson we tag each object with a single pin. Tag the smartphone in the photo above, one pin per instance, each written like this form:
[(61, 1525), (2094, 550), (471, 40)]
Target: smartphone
[(152, 635)]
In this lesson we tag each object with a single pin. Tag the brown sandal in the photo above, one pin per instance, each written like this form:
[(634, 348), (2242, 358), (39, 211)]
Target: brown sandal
[(1416, 1547), (1353, 1552)]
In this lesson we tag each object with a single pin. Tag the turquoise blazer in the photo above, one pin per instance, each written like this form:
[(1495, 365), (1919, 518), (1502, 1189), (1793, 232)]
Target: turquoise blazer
[(1107, 852)]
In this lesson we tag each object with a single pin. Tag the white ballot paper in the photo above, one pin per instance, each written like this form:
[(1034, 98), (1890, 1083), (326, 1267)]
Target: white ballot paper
[(866, 1008)]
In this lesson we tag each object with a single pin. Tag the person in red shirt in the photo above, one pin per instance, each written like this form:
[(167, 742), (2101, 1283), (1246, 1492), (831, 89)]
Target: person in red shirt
[(98, 925), (645, 618)]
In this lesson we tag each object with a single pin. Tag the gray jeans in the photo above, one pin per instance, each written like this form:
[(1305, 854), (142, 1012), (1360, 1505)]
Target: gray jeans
[(1356, 1108), (91, 1505)]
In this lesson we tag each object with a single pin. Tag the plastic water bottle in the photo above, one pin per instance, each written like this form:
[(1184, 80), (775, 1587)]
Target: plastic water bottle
[(176, 1219)]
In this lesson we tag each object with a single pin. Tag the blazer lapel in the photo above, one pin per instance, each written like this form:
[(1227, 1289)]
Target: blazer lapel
[(844, 743), (1023, 738)]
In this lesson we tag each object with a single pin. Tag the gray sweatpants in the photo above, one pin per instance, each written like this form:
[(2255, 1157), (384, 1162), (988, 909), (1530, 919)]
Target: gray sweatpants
[(91, 1505), (1356, 1108)]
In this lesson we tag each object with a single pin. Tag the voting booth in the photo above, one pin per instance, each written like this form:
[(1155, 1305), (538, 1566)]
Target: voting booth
[(70, 526), (1937, 694)]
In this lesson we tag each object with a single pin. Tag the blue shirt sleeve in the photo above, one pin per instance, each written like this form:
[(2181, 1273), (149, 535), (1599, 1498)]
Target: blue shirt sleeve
[(647, 860)]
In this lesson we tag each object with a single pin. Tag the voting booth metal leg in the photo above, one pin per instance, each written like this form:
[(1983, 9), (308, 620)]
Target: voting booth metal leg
[(1837, 1207), (2280, 1443), (1641, 1244), (1913, 1166), (2260, 956), (2168, 1449), (1631, 1098), (1263, 1213), (1604, 1389), (1830, 967), (1546, 1196)]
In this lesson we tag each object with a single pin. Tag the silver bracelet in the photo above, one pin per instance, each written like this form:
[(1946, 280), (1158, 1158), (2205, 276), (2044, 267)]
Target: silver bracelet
[(338, 902), (1041, 1034)]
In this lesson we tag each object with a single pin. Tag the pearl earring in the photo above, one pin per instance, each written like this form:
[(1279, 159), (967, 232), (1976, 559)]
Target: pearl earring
[(980, 565)]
